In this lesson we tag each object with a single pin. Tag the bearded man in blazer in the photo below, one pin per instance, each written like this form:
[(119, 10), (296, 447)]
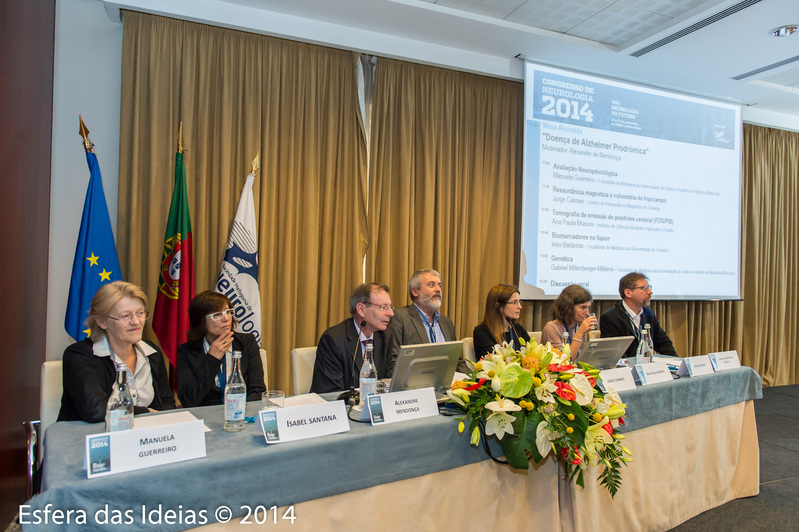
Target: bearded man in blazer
[(421, 322)]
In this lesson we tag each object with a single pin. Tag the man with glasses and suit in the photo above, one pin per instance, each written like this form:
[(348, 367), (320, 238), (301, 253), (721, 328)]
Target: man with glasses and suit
[(630, 316), (343, 345)]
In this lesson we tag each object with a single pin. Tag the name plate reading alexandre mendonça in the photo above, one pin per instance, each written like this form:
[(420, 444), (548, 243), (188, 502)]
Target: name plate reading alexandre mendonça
[(127, 450), (401, 406), (306, 421)]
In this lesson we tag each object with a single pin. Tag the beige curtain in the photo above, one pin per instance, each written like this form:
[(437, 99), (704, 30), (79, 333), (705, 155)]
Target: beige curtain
[(771, 256), (238, 94), (445, 183)]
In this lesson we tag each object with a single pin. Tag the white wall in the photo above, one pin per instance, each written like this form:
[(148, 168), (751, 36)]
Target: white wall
[(86, 80)]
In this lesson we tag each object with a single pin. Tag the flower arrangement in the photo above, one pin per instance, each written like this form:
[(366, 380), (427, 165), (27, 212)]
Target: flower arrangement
[(536, 401)]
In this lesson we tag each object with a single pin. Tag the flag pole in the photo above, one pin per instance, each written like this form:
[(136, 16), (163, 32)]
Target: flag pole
[(84, 132)]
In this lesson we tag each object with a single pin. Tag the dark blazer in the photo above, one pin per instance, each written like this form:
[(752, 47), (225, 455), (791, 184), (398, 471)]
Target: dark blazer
[(616, 322), (89, 379), (484, 341), (407, 327), (197, 371), (337, 346)]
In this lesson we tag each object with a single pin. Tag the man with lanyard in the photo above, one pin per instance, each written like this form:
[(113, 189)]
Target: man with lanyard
[(421, 322), (630, 315), (341, 348)]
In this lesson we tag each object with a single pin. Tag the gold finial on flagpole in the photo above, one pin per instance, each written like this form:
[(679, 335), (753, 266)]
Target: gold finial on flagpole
[(256, 163), (84, 132), (180, 137)]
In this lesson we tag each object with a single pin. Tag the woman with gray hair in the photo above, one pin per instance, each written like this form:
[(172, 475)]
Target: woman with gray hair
[(116, 321), (572, 313)]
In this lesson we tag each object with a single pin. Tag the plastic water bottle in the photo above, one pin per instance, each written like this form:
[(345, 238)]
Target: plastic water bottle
[(643, 353), (368, 376), (119, 410), (235, 397), (134, 392), (564, 336), (649, 339)]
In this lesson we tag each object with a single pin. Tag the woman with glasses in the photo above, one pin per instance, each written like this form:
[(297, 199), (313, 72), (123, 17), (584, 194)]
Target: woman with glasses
[(116, 320), (205, 361), (503, 305), (572, 313)]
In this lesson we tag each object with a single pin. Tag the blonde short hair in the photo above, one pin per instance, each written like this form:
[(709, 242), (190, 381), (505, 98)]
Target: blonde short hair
[(105, 299)]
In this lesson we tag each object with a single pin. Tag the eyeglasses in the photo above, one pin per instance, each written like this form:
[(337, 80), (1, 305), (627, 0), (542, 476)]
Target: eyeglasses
[(517, 302), (381, 308), (644, 288), (216, 316), (127, 317)]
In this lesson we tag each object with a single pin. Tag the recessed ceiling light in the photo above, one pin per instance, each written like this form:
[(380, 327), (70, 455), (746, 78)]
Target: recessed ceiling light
[(784, 31)]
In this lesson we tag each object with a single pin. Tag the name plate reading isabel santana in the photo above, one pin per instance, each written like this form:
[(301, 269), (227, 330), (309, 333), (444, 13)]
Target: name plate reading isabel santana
[(126, 450), (306, 421)]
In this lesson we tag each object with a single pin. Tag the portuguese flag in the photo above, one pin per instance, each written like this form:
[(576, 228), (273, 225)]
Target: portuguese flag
[(176, 275)]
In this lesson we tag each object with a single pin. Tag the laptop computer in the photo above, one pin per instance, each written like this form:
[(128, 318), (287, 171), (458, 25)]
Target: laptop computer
[(604, 353), (425, 366)]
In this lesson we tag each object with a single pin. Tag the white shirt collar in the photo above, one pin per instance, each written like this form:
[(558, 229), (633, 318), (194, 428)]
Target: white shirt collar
[(101, 348)]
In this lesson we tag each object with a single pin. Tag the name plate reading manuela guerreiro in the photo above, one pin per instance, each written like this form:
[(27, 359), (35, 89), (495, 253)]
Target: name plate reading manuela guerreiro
[(306, 421), (402, 406), (127, 450)]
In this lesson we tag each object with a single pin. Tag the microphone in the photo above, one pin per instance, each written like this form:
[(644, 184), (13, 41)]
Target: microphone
[(352, 394), (513, 331)]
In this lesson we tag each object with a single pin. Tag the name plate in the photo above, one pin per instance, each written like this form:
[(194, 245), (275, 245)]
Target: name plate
[(725, 360), (402, 406), (695, 366), (306, 421), (126, 450), (620, 379), (653, 373)]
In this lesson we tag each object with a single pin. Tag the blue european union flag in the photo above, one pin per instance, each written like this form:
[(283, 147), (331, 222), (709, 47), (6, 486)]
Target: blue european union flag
[(96, 260)]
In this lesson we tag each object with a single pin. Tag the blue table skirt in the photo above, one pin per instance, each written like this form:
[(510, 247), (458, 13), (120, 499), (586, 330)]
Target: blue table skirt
[(241, 469)]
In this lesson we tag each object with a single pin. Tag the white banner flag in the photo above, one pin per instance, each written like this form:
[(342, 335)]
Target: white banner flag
[(238, 277)]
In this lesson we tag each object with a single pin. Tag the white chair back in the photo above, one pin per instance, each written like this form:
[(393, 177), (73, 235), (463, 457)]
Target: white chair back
[(50, 398), (266, 368), (302, 362), (468, 348), (536, 335)]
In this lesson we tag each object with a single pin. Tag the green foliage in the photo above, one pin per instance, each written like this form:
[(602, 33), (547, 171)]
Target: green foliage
[(516, 382)]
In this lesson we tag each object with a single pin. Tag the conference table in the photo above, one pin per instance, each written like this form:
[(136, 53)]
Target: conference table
[(694, 444)]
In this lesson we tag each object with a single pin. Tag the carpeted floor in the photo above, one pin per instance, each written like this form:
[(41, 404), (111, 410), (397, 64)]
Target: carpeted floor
[(777, 506)]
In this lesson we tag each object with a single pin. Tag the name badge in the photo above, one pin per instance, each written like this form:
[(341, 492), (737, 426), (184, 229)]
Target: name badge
[(653, 373), (126, 450), (725, 360), (620, 379), (695, 366), (306, 421), (402, 406)]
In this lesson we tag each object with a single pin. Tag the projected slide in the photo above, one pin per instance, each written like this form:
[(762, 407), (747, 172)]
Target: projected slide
[(621, 178)]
